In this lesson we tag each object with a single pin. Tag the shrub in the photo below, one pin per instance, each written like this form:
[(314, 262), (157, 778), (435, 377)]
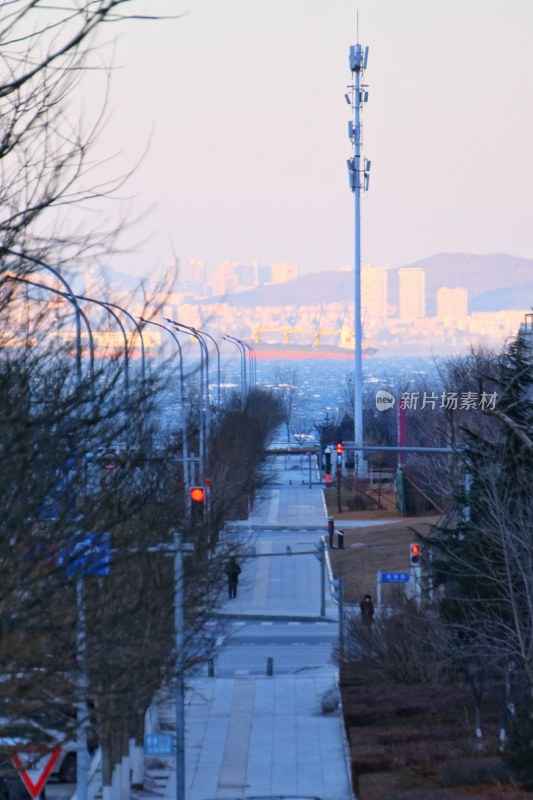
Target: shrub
[(519, 750), (473, 771), (409, 645)]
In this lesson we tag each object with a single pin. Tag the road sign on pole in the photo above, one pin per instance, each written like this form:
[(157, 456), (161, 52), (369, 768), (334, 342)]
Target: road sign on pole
[(89, 554), (389, 577), (159, 744), (394, 577), (35, 776)]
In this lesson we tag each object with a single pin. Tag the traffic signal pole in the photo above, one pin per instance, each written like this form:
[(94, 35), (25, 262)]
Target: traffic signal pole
[(340, 450)]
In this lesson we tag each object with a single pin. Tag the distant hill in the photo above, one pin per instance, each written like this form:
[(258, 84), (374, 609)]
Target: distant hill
[(479, 274), (510, 298), (322, 287), (494, 282)]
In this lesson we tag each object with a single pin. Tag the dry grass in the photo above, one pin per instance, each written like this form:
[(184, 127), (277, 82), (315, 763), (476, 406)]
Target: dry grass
[(368, 549), (382, 504), (415, 742)]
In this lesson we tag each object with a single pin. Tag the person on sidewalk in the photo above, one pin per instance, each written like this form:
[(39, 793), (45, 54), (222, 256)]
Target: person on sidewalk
[(232, 571), (367, 609)]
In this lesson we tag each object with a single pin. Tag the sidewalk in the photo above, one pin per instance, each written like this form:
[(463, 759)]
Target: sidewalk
[(266, 735)]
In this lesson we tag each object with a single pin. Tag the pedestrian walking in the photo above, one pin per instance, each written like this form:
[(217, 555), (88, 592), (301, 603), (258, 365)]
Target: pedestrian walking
[(367, 609), (233, 571)]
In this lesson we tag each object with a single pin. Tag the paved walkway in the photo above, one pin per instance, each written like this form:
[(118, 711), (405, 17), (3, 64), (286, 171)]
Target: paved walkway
[(263, 735)]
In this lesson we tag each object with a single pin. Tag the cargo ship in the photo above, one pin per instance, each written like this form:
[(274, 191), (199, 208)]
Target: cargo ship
[(343, 348)]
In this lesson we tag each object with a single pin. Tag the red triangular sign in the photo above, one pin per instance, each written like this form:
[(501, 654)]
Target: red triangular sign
[(34, 779)]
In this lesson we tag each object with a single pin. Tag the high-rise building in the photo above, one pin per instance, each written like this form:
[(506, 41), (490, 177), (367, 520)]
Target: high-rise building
[(374, 299), (412, 291), (281, 273), (452, 303), (225, 278), (196, 273)]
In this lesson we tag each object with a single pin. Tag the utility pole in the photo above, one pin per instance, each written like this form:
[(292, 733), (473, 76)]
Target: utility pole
[(358, 172), (179, 631)]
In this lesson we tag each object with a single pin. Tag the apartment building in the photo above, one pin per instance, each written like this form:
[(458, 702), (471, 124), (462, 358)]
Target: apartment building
[(412, 293)]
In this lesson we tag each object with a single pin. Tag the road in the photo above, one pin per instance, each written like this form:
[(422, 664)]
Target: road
[(293, 646)]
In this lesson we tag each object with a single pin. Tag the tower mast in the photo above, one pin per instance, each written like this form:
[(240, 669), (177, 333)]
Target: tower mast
[(358, 171)]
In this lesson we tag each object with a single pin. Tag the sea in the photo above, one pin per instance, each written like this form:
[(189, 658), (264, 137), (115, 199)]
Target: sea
[(324, 388), (316, 388)]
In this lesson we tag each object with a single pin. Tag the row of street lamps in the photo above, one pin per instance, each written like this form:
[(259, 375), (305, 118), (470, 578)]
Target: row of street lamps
[(247, 381), (248, 371)]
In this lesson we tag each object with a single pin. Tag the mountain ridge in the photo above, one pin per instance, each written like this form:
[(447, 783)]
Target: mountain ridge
[(489, 279)]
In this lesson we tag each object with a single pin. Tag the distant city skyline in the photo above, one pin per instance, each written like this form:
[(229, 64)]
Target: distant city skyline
[(242, 106)]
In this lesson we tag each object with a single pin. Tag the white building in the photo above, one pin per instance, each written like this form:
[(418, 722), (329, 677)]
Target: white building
[(452, 303), (412, 290), (374, 293)]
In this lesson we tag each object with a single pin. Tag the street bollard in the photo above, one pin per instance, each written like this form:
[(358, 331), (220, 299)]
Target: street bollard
[(340, 538), (270, 665)]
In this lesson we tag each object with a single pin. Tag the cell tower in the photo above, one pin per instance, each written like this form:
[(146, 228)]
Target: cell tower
[(359, 172)]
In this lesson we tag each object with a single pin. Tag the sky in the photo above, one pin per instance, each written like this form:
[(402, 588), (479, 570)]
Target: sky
[(236, 111)]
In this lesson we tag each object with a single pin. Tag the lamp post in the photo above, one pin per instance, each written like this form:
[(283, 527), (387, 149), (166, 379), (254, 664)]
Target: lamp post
[(71, 298), (204, 357), (115, 316), (179, 626), (82, 753), (242, 351), (253, 364), (139, 332), (39, 263), (177, 549), (204, 333), (184, 442)]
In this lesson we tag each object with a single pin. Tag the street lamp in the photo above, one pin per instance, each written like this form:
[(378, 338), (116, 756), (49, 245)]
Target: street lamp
[(138, 328), (204, 333), (182, 403), (204, 355), (115, 316), (79, 314), (240, 345), (177, 549), (39, 263), (253, 364)]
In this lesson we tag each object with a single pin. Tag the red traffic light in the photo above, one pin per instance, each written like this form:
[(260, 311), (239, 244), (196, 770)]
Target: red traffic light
[(198, 494), (414, 553), (340, 448)]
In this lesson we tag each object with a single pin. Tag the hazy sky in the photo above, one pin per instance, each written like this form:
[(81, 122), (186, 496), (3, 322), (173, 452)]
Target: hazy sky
[(242, 101)]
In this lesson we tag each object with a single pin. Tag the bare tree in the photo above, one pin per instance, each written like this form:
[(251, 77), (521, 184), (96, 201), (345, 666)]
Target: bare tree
[(286, 387), (484, 553), (46, 50)]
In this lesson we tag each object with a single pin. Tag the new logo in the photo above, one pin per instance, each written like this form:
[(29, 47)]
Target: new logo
[(384, 400)]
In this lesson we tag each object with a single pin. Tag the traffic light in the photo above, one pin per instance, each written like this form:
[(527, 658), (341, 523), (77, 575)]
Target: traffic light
[(340, 450), (327, 460), (197, 495), (414, 555)]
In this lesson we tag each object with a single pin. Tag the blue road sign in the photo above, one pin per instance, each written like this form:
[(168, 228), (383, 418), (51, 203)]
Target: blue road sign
[(394, 577), (89, 554), (158, 744)]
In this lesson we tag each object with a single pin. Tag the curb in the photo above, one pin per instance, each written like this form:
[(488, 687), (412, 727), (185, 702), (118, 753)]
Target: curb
[(274, 527), (274, 617), (346, 744)]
